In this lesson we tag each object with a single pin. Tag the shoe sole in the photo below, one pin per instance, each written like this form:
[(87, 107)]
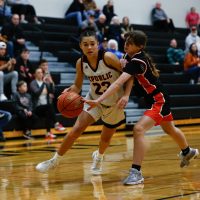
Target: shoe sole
[(194, 157), (135, 183), (93, 172)]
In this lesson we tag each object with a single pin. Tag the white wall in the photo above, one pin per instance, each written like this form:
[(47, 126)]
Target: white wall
[(138, 11)]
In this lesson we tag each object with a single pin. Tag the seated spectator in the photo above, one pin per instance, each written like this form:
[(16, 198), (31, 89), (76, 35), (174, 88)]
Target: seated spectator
[(192, 37), (5, 117), (90, 5), (175, 55), (108, 11), (76, 11), (24, 67), (160, 19), (192, 18), (104, 44), (14, 35), (5, 11), (7, 73), (192, 63), (43, 64), (42, 89), (126, 26), (113, 47), (90, 23), (24, 109), (25, 10), (114, 31), (102, 27)]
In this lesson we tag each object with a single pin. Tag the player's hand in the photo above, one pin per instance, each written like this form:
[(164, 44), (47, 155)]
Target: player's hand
[(123, 101), (123, 62), (91, 103), (72, 88)]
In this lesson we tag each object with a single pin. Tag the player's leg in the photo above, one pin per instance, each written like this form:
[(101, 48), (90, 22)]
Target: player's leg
[(135, 175), (112, 118), (97, 155), (83, 121), (186, 153)]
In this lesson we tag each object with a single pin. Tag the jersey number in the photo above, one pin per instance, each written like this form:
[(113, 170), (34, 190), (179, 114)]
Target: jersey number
[(101, 87)]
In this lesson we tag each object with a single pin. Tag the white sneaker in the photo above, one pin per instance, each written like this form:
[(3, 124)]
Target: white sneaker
[(59, 127), (50, 135), (96, 167), (3, 97), (45, 166)]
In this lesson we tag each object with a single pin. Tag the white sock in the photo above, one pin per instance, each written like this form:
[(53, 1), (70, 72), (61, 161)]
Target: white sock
[(100, 155), (57, 157)]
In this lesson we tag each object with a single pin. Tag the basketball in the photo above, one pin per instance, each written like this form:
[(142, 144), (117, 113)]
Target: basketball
[(69, 104)]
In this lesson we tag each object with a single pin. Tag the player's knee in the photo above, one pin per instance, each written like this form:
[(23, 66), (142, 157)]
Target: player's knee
[(138, 130)]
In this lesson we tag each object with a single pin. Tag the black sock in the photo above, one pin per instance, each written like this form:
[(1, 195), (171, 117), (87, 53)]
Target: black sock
[(186, 151), (138, 167)]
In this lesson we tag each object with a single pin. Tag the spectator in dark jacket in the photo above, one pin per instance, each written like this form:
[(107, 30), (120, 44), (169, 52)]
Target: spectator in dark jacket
[(108, 11), (24, 67), (24, 108), (76, 11), (14, 34)]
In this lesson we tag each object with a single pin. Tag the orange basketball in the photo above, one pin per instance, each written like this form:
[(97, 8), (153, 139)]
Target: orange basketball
[(69, 104)]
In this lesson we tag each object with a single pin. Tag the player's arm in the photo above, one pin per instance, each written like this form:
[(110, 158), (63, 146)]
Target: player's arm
[(78, 82), (112, 60), (110, 91), (123, 101)]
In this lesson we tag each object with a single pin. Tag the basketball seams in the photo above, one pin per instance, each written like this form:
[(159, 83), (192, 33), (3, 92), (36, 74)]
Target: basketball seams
[(68, 105), (70, 110)]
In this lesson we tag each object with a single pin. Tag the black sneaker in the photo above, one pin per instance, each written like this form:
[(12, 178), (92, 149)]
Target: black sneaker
[(2, 138), (27, 134)]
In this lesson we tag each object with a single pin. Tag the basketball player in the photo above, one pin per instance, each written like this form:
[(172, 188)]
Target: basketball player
[(102, 69), (147, 85)]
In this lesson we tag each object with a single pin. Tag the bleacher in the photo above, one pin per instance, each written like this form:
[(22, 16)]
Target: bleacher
[(57, 41)]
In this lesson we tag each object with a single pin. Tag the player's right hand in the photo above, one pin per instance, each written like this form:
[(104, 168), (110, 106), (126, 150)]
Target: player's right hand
[(91, 103)]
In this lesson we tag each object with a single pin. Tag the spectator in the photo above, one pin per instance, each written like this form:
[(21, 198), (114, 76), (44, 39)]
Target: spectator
[(5, 117), (76, 10), (108, 11), (113, 47), (102, 27), (7, 73), (160, 19), (5, 11), (192, 37), (175, 55), (24, 108), (42, 89), (192, 18), (25, 10), (126, 26), (90, 5), (114, 31), (90, 23), (192, 64), (14, 34), (24, 67), (104, 44)]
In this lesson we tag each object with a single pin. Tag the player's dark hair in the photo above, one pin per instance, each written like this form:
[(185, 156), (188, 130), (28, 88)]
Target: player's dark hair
[(139, 38), (88, 33)]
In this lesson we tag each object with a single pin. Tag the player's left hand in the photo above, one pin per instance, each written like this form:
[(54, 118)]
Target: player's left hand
[(122, 102), (91, 103)]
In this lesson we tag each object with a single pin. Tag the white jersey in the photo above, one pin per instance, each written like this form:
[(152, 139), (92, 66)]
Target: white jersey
[(100, 79)]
